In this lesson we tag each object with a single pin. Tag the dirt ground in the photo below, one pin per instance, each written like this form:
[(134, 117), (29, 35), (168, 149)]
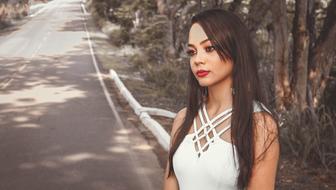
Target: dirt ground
[(291, 175)]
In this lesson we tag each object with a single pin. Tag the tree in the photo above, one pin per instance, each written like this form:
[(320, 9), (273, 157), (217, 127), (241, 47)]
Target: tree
[(323, 57), (170, 9), (281, 46), (295, 42), (300, 54), (303, 85)]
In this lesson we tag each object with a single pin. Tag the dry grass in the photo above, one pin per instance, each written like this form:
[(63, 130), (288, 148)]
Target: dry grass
[(311, 136)]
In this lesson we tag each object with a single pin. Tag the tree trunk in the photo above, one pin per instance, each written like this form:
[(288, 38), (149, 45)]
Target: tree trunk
[(257, 13), (312, 39), (171, 13), (281, 47), (200, 5), (171, 49), (215, 3), (324, 55), (161, 6), (300, 54)]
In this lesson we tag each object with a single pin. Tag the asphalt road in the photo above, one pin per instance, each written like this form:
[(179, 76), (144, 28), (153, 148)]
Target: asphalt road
[(57, 130)]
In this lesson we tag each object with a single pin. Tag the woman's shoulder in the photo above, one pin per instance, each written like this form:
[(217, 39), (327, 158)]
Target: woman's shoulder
[(266, 131), (264, 121)]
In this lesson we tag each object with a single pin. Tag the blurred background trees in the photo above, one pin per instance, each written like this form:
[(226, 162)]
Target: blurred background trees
[(11, 10), (295, 42)]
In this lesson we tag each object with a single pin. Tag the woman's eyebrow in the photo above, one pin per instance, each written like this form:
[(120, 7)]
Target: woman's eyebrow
[(202, 42)]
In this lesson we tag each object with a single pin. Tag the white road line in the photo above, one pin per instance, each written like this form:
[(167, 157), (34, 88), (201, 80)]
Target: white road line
[(7, 82), (100, 78), (36, 50), (3, 85), (147, 184), (45, 7), (22, 67)]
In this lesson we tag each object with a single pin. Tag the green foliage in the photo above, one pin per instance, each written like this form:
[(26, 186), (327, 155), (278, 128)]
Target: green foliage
[(121, 13), (155, 28), (147, 7), (170, 77), (310, 135), (124, 17), (101, 7), (119, 36), (152, 37)]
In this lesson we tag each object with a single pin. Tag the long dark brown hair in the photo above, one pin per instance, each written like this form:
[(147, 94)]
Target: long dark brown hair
[(231, 40)]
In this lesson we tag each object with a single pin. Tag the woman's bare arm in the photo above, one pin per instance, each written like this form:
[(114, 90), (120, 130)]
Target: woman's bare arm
[(170, 183), (266, 139)]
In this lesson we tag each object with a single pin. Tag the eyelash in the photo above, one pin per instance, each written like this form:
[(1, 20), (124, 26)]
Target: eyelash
[(207, 49), (211, 48), (190, 52)]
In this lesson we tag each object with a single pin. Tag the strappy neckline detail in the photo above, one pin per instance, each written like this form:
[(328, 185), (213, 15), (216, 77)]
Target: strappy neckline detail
[(208, 126)]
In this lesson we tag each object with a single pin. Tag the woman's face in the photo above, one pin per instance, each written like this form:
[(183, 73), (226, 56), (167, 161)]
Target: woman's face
[(205, 62)]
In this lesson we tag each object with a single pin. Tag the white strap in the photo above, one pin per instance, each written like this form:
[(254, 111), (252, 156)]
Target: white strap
[(223, 130), (196, 137), (212, 124), (218, 122)]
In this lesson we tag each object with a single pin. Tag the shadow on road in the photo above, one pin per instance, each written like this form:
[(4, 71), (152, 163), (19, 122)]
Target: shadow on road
[(57, 131)]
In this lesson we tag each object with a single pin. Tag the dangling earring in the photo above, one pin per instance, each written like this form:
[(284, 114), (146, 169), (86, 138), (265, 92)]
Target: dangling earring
[(233, 91), (204, 92)]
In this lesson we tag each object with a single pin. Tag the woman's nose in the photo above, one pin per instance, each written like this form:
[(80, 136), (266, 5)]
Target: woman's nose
[(199, 58)]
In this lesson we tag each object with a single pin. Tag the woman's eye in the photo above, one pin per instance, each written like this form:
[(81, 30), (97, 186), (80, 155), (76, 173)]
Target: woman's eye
[(209, 48), (190, 52)]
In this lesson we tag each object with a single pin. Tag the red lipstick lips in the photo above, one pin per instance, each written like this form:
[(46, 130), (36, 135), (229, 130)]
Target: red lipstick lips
[(202, 73)]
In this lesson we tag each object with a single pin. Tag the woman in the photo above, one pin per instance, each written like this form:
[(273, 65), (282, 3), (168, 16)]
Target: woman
[(225, 138)]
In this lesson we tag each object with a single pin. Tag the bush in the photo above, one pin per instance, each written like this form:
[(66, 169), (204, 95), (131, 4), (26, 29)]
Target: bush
[(171, 78), (10, 12), (311, 136), (119, 36), (124, 17), (152, 37)]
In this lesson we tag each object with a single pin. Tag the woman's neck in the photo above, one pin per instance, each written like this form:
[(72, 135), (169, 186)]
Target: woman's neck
[(220, 96)]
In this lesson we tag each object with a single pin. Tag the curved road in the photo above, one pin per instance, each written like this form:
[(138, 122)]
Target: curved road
[(57, 131)]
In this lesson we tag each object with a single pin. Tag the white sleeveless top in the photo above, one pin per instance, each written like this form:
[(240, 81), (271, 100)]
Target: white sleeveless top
[(211, 165)]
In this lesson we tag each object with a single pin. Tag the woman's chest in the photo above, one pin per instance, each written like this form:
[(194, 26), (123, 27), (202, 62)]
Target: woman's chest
[(217, 163)]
